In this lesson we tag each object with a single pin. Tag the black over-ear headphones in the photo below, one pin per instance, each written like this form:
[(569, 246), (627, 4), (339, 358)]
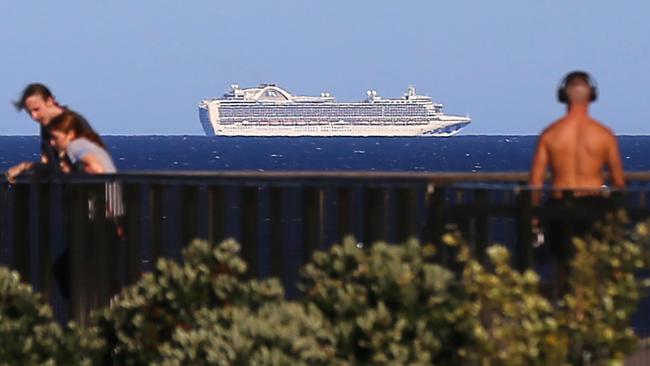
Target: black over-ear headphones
[(561, 90)]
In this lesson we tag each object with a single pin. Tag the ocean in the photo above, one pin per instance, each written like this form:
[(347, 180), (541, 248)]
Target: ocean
[(413, 154)]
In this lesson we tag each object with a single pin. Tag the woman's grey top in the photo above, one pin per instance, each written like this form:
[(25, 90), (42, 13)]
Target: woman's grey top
[(81, 147)]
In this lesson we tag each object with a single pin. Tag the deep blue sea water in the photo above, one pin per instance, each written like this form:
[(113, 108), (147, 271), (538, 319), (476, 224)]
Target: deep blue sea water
[(425, 154), (415, 154)]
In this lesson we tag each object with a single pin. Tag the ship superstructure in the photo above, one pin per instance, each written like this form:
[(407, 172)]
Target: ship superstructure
[(269, 110)]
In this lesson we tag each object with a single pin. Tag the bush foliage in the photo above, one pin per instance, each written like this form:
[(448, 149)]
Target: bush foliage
[(145, 317), (384, 304), (390, 304), (30, 336), (274, 334), (605, 292)]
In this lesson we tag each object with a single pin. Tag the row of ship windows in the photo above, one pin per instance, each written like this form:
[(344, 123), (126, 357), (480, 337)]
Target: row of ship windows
[(320, 123), (308, 112), (292, 119), (323, 108), (322, 115)]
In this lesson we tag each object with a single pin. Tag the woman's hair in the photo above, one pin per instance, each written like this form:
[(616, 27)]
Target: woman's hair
[(71, 121), (31, 90)]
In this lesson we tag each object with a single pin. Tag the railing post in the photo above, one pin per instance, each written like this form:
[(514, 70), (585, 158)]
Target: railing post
[(296, 245), (44, 272), (329, 220), (133, 233), (4, 224), (435, 226), (276, 232), (344, 213), (100, 250), (157, 221), (406, 214), (190, 217), (217, 205), (21, 202), (74, 274), (524, 216), (375, 215), (250, 228), (59, 247), (312, 220), (481, 223)]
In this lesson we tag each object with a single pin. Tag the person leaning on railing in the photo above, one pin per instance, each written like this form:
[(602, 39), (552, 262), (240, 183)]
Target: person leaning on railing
[(576, 148), (39, 103), (84, 149), (85, 152)]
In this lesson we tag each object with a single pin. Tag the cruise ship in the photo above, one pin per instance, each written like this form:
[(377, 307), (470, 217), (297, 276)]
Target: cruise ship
[(269, 110)]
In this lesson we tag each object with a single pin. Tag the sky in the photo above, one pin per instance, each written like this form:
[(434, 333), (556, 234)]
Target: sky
[(141, 67)]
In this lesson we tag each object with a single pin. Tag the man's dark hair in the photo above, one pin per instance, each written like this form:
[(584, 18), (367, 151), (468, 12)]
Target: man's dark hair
[(576, 75), (31, 90)]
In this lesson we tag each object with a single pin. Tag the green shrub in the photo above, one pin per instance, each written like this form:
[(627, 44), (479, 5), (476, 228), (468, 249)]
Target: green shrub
[(29, 335), (393, 305), (144, 317), (384, 304), (605, 292), (275, 334), (517, 325), (390, 304)]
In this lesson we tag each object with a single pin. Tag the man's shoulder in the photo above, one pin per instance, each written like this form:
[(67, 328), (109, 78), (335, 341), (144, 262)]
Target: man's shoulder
[(598, 128), (552, 128), (602, 126)]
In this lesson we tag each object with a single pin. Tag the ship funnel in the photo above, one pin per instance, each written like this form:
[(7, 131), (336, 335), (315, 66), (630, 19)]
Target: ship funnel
[(411, 91)]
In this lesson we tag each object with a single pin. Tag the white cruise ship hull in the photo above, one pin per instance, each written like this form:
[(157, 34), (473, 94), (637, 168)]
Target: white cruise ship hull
[(431, 128), (272, 111)]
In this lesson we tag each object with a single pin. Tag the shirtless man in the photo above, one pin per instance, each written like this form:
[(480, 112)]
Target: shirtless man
[(577, 147)]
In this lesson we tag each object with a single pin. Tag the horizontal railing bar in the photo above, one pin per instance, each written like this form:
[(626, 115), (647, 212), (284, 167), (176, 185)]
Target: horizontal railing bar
[(292, 175), (304, 177), (436, 177)]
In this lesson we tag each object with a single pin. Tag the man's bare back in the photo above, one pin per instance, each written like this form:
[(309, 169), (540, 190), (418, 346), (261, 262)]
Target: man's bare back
[(577, 148)]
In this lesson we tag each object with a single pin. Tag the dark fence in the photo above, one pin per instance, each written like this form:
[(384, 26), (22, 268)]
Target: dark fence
[(80, 239)]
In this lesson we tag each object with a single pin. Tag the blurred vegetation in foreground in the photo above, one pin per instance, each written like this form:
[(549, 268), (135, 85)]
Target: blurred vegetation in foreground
[(383, 304)]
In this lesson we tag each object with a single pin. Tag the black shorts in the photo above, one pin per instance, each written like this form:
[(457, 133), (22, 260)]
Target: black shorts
[(574, 217)]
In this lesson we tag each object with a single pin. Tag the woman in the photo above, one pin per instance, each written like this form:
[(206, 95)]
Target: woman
[(84, 148), (86, 152)]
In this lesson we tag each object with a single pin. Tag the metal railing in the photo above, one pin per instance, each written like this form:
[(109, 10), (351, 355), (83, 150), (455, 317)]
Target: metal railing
[(279, 218)]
